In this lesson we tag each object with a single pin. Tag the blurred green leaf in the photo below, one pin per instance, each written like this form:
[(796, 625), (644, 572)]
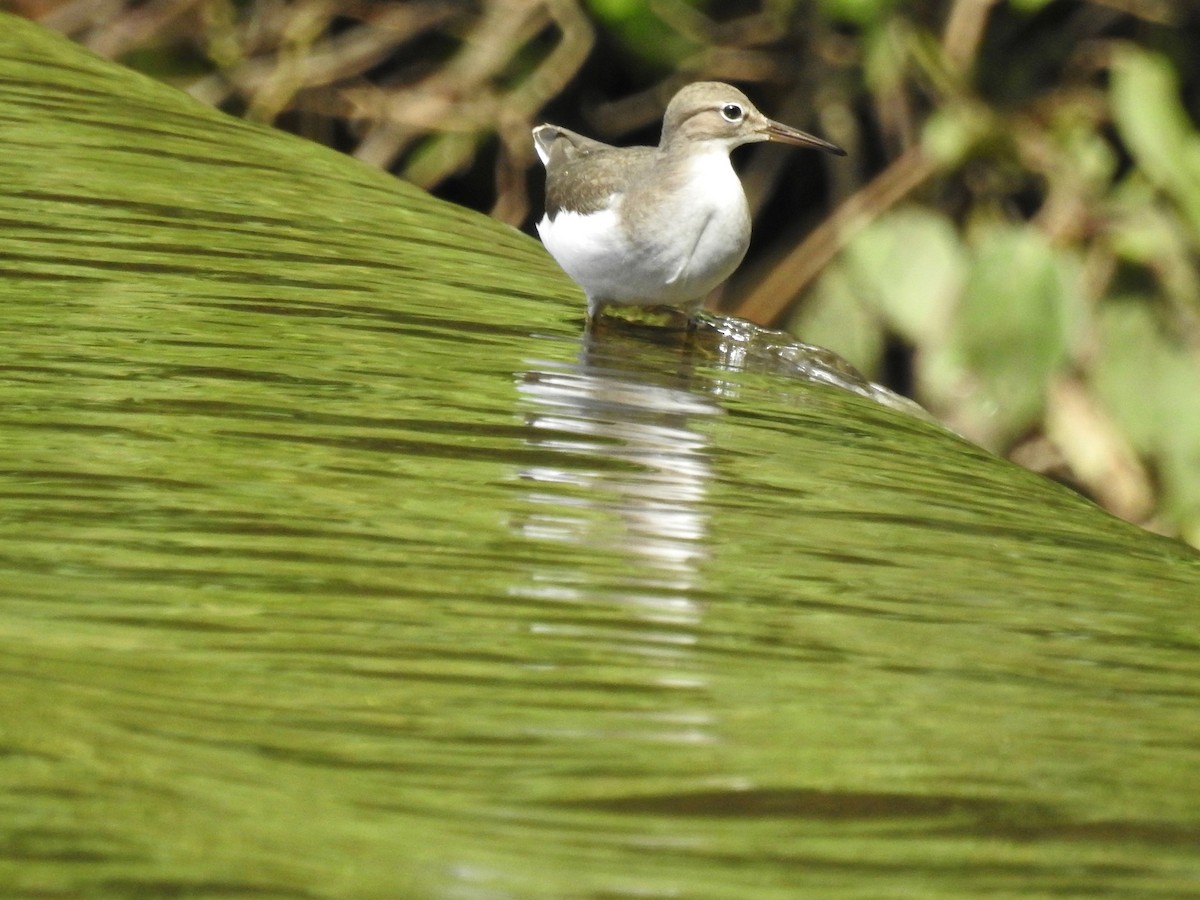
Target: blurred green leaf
[(1029, 7), (642, 32), (864, 13), (1083, 152), (1156, 128), (1140, 229), (1017, 318), (910, 265), (617, 10), (1153, 235), (1132, 366), (953, 132), (1150, 382), (835, 316)]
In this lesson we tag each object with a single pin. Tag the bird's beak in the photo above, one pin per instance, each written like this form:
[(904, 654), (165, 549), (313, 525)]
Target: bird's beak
[(786, 135)]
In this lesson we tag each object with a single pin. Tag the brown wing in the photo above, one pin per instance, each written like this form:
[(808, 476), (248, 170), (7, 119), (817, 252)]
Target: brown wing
[(582, 174), (550, 140)]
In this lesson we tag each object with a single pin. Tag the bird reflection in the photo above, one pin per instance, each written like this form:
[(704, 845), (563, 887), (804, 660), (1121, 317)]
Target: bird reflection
[(613, 512), (627, 474)]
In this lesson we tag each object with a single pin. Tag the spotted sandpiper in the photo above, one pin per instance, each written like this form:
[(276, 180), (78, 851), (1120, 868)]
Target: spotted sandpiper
[(650, 226)]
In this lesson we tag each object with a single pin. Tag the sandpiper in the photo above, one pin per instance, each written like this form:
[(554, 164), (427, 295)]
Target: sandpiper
[(650, 226)]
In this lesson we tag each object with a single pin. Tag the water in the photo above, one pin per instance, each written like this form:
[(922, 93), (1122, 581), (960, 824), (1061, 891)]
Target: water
[(337, 561)]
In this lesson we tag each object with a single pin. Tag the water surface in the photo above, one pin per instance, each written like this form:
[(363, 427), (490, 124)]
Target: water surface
[(337, 560)]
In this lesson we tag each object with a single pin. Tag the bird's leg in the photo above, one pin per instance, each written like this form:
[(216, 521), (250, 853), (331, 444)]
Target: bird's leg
[(595, 306)]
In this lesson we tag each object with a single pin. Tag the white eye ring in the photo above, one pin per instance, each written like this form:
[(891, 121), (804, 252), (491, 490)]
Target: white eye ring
[(731, 112)]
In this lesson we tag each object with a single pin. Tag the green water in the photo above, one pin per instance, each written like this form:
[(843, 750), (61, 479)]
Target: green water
[(337, 562)]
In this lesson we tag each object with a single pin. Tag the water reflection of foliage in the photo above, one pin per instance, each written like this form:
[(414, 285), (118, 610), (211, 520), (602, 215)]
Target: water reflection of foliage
[(1014, 241)]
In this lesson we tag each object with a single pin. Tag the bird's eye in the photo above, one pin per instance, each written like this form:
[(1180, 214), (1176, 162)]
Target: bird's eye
[(731, 112)]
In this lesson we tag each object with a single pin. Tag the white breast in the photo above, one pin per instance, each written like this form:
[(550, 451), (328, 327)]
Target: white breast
[(692, 241), (590, 247), (715, 219)]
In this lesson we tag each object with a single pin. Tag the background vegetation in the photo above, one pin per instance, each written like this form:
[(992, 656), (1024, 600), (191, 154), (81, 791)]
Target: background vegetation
[(1013, 240)]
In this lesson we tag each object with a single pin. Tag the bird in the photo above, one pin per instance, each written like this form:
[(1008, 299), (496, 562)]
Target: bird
[(656, 226)]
